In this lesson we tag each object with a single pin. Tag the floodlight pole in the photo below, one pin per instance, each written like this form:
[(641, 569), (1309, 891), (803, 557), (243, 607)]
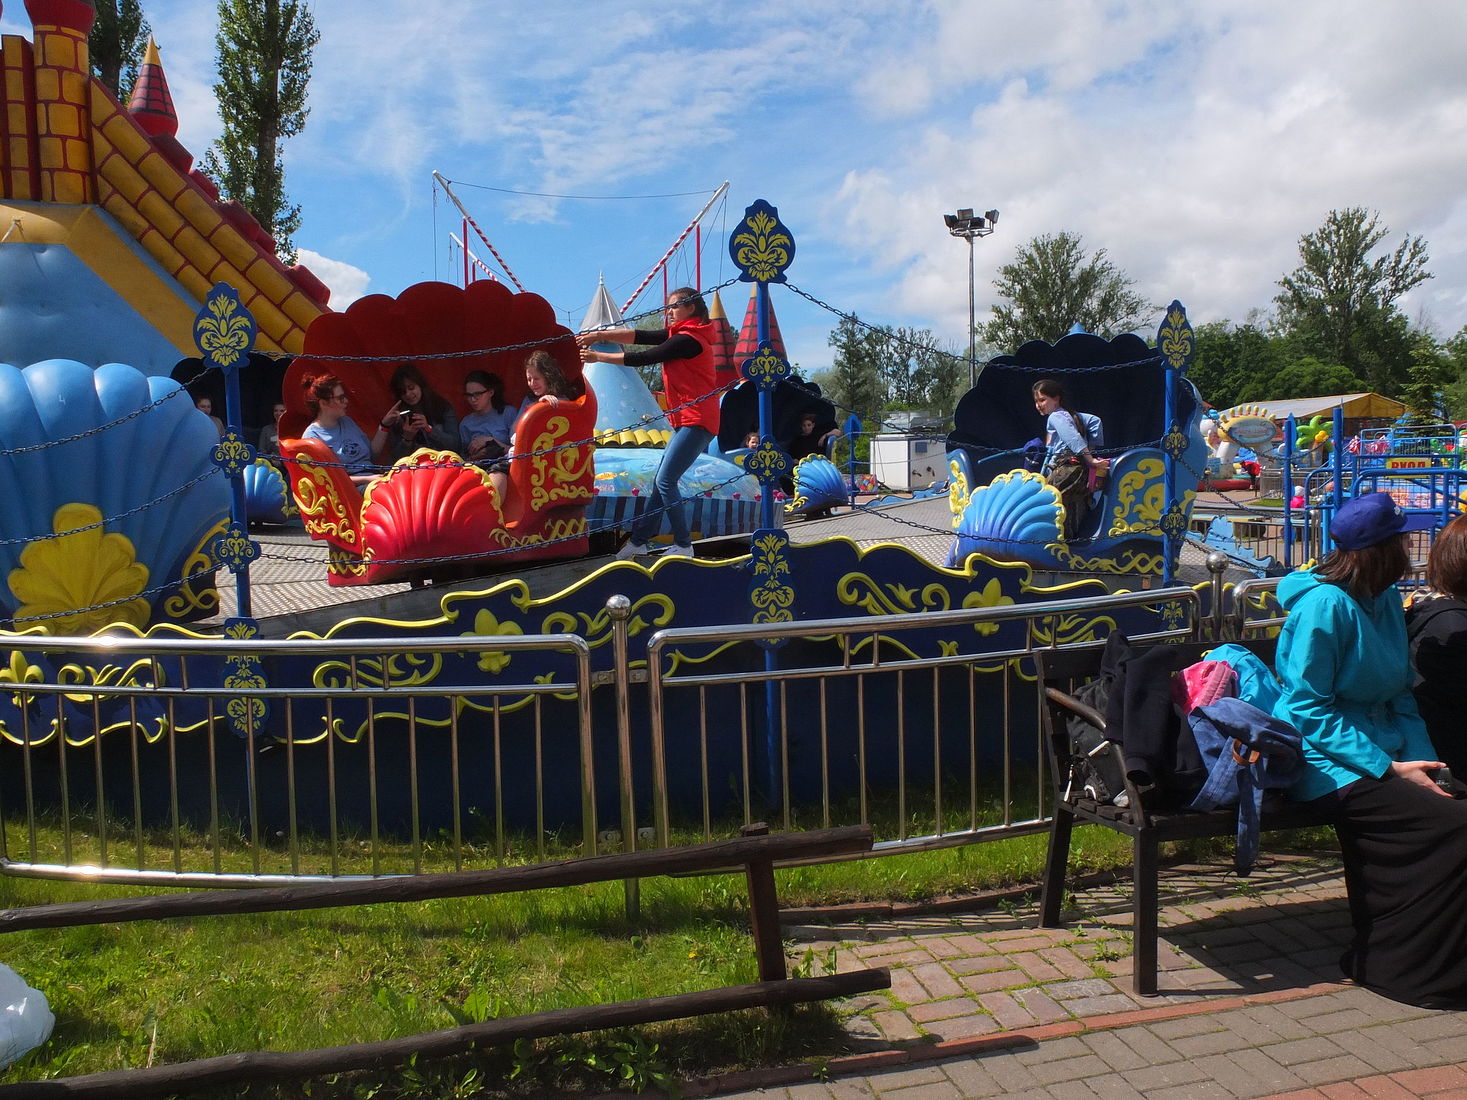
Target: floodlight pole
[(969, 226)]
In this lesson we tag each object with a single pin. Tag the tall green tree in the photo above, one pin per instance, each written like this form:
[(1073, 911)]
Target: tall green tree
[(1454, 393), (1303, 376), (1340, 303), (1229, 359), (264, 50), (1431, 370), (1053, 284), (854, 379), (119, 36)]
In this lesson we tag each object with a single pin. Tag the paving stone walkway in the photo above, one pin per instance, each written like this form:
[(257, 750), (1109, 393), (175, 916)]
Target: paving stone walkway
[(984, 1004)]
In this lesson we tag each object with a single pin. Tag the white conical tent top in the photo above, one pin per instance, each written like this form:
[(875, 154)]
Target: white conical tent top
[(622, 398), (602, 312)]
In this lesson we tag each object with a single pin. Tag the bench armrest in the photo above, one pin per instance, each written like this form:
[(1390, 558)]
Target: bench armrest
[(1070, 703)]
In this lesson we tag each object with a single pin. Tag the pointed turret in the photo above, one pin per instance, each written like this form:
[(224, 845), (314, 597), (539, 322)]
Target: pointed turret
[(723, 347), (748, 345), (602, 312), (151, 104), (626, 411)]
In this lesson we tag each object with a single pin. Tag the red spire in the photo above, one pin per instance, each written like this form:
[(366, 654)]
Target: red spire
[(723, 347), (748, 345), (151, 105)]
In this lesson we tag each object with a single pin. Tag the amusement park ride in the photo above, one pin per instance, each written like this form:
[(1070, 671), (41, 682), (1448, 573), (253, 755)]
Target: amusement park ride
[(123, 504)]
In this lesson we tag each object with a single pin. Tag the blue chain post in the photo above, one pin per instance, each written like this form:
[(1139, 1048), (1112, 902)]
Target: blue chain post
[(1177, 344), (762, 248), (225, 333)]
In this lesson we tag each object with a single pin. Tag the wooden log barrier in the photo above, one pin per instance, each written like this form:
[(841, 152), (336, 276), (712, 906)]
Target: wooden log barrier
[(698, 858), (262, 1065), (755, 852)]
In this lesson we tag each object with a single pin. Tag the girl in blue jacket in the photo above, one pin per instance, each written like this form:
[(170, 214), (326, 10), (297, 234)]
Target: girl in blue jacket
[(1369, 764)]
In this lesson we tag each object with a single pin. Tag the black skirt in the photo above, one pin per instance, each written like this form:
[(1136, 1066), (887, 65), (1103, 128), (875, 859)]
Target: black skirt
[(1405, 851)]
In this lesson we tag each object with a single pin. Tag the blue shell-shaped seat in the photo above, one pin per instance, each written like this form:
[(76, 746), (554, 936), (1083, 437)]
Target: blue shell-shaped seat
[(266, 497), (1017, 515), (819, 485)]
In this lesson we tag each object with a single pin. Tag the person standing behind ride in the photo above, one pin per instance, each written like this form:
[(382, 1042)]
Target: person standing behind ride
[(421, 418), (1369, 766), (1436, 627), (326, 398), (1070, 436), (685, 350), (270, 434), (485, 433)]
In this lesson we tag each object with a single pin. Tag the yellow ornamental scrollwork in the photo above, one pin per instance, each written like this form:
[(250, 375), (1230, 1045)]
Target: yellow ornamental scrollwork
[(763, 248), (1057, 630), (225, 335), (323, 512), (1175, 338), (651, 611), (1131, 561), (196, 593), (958, 491), (767, 369), (232, 454), (402, 670), (20, 671), (772, 596), (1140, 499), (555, 470)]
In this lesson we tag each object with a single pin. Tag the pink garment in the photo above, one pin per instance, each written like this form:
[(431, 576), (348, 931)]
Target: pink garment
[(1203, 684)]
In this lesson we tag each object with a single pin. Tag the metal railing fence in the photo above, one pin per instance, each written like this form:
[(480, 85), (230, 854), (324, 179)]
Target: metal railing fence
[(254, 762), (146, 755), (950, 754)]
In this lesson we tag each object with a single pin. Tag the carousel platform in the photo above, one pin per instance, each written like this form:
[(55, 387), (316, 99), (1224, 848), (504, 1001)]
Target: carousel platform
[(289, 591)]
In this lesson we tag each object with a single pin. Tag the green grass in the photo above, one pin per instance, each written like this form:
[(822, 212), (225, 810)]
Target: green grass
[(167, 991)]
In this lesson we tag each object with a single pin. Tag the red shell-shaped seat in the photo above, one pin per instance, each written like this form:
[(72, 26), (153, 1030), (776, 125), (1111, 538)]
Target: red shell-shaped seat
[(429, 505)]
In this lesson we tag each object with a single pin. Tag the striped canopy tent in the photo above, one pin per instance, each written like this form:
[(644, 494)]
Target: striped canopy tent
[(1357, 406)]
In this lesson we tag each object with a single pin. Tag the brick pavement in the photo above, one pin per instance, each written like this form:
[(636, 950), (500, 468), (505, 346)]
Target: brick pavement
[(984, 1004)]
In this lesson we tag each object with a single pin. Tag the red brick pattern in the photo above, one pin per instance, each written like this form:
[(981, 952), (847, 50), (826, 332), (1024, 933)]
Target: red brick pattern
[(1250, 1005)]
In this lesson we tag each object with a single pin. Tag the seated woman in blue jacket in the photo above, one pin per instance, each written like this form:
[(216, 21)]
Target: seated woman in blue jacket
[(1369, 765)]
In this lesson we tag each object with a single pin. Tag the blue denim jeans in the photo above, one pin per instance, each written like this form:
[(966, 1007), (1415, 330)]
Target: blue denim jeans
[(683, 449)]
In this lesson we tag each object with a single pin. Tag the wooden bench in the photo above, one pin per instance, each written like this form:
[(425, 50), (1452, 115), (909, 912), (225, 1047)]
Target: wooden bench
[(1148, 826), (755, 852)]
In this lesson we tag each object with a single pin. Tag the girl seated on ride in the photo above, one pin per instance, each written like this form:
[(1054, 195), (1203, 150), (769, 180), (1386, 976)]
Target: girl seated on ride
[(421, 418), (1436, 627), (326, 398), (1069, 463), (546, 382), (1369, 766), (486, 432)]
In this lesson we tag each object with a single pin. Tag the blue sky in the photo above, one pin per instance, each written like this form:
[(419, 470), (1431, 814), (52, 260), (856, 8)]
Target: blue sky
[(1194, 142)]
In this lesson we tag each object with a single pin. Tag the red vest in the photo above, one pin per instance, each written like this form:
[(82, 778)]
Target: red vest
[(694, 379)]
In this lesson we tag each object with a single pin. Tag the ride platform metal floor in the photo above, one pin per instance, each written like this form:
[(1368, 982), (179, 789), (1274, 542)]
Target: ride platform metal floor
[(289, 591)]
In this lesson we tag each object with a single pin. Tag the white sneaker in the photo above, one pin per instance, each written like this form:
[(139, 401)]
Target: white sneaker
[(676, 551), (631, 549)]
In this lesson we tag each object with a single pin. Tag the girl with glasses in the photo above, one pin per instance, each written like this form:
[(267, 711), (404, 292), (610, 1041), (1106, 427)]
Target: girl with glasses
[(326, 398), (485, 433)]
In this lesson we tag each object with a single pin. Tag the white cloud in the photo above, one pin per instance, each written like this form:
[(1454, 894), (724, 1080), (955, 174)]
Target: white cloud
[(1194, 142), (347, 283)]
